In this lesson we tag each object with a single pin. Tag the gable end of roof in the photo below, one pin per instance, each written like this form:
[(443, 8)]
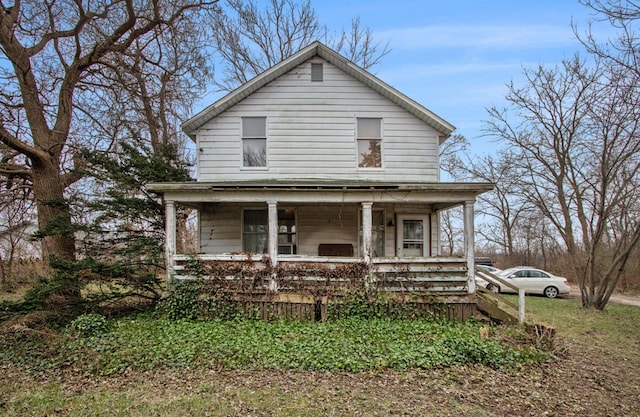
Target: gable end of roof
[(317, 49)]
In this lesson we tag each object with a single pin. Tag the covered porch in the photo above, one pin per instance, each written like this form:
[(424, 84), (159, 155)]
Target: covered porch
[(303, 242)]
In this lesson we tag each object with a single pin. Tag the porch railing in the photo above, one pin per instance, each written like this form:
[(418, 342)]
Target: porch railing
[(498, 300), (436, 275)]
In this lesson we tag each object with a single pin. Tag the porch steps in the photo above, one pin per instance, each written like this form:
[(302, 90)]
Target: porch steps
[(497, 308)]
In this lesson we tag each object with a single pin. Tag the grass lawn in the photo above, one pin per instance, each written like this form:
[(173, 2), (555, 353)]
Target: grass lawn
[(145, 367), (613, 330)]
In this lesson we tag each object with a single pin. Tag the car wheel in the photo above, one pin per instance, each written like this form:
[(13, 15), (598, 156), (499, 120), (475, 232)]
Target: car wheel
[(493, 288), (551, 292)]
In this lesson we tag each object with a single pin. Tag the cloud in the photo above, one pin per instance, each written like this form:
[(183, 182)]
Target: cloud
[(480, 36), (449, 69)]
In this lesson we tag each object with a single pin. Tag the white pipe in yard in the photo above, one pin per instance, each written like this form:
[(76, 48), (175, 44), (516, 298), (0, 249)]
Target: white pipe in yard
[(520, 306)]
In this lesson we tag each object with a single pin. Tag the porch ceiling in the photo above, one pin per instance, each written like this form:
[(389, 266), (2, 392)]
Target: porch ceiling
[(441, 194)]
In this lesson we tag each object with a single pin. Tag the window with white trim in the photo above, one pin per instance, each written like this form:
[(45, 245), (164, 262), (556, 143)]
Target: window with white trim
[(369, 139), (287, 235), (255, 231), (254, 142)]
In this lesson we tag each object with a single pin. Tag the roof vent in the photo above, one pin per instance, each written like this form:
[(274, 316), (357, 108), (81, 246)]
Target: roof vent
[(316, 72)]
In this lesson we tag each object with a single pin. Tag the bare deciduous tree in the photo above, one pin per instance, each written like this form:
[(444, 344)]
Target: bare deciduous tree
[(624, 49), (502, 208), (574, 131), (145, 92), (16, 222), (451, 226), (450, 151), (250, 40), (58, 52)]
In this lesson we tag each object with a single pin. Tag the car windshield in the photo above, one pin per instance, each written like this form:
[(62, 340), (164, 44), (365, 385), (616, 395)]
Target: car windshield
[(507, 272)]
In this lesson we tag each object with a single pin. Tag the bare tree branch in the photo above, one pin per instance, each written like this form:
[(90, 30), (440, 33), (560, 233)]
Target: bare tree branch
[(19, 146), (13, 170), (250, 40), (574, 134), (59, 53)]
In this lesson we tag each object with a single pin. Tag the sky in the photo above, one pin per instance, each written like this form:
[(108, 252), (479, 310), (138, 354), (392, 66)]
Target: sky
[(455, 57)]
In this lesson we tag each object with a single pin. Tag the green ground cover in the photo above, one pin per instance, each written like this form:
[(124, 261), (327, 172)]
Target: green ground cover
[(145, 365), (144, 342)]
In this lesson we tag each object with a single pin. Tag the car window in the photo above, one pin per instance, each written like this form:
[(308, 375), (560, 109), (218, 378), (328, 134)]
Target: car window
[(507, 272)]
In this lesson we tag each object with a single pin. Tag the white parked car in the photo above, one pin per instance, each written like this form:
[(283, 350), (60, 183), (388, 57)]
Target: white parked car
[(486, 268), (533, 281)]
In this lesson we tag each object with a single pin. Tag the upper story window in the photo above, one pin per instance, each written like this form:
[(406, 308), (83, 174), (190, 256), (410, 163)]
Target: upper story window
[(316, 72), (369, 138), (254, 141)]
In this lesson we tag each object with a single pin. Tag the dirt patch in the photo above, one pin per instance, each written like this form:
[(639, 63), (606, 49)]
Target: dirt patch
[(617, 298), (625, 299)]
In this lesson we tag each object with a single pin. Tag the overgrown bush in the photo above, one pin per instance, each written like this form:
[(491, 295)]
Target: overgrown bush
[(90, 325), (193, 300), (86, 285), (182, 302), (201, 300), (374, 305), (54, 295)]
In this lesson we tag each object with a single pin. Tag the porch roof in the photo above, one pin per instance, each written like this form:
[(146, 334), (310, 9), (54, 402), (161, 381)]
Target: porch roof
[(440, 194)]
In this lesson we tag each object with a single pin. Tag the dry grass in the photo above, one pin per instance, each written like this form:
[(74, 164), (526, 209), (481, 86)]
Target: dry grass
[(23, 276)]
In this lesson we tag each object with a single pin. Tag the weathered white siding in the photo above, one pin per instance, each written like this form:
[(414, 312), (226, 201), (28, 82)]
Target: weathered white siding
[(221, 228), (311, 133), (318, 224)]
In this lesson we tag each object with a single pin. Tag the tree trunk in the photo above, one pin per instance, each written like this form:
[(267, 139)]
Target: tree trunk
[(54, 217), (3, 275), (54, 221)]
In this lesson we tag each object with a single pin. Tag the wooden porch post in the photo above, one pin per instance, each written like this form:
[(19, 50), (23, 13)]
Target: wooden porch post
[(366, 231), (170, 236), (273, 241), (469, 245), (273, 232)]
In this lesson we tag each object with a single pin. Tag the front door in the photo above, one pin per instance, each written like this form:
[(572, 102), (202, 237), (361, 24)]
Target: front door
[(413, 235)]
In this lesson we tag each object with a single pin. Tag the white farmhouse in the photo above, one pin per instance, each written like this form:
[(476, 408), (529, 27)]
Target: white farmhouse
[(320, 176)]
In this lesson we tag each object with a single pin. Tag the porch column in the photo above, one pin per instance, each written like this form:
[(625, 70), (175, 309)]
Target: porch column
[(273, 232), (469, 244), (366, 231), (170, 236)]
